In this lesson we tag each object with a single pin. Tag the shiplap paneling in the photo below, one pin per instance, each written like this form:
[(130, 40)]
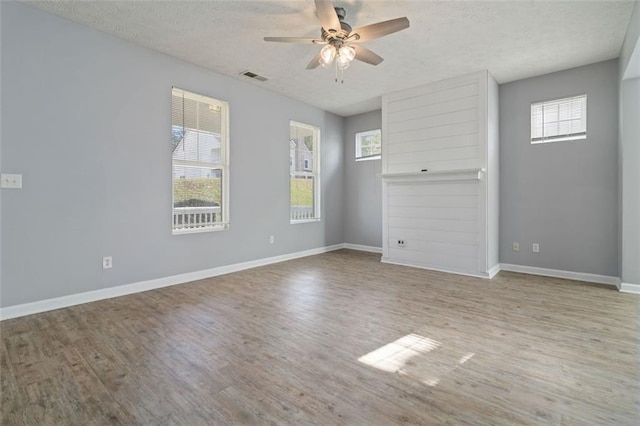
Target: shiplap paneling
[(443, 154), (432, 133), (457, 213), (440, 236), (447, 142), (454, 105), (436, 261), (470, 201), (439, 127), (438, 120), (426, 96)]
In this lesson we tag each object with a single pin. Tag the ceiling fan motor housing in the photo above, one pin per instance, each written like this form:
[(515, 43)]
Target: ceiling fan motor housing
[(345, 29)]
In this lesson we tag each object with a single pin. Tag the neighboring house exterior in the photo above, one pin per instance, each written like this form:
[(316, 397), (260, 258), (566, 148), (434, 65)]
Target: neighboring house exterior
[(300, 156), (195, 146)]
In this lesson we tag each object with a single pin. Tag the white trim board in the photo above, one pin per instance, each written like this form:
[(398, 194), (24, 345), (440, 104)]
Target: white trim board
[(438, 269), (629, 288), (122, 290), (359, 247), (556, 273)]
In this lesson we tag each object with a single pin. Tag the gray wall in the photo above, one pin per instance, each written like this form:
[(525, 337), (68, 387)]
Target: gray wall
[(363, 196), (629, 149), (86, 120), (562, 195)]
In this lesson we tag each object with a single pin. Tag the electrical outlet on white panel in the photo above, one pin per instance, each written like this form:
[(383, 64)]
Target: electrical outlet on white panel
[(10, 181), (107, 262), (272, 239), (516, 247), (536, 248), (401, 243)]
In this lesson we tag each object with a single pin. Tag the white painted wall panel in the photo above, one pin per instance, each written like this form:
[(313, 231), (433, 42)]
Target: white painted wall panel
[(436, 261), (431, 133), (445, 154), (434, 201), (446, 142), (423, 97), (440, 189), (425, 122), (434, 248), (452, 105), (456, 213), (441, 127), (451, 237), (433, 224)]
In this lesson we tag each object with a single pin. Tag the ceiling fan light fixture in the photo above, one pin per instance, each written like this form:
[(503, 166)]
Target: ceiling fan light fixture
[(327, 54), (348, 53), (343, 61)]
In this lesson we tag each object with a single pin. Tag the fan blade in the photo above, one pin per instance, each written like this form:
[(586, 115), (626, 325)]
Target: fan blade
[(314, 62), (365, 55), (369, 32), (327, 14), (295, 40)]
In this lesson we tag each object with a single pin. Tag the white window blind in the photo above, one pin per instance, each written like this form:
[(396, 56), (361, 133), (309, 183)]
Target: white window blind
[(559, 120), (199, 147), (304, 172), (369, 145)]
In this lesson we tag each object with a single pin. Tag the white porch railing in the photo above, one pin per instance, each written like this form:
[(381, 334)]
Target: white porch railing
[(186, 218), (301, 212)]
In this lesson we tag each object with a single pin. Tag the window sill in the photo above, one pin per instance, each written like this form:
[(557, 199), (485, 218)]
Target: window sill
[(200, 230), (373, 157), (295, 222)]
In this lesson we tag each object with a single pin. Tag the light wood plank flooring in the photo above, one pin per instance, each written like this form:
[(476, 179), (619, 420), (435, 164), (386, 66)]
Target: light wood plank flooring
[(337, 338)]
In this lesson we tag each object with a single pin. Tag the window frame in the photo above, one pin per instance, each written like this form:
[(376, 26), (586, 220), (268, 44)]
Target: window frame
[(358, 145), (576, 135), (222, 164), (315, 173)]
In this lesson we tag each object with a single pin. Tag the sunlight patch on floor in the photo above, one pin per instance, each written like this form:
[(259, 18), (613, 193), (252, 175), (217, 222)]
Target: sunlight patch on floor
[(394, 356), (416, 356)]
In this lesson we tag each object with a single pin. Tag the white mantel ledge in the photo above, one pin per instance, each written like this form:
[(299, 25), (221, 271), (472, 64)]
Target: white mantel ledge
[(434, 176)]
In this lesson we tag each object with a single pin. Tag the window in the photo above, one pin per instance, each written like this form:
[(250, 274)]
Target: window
[(559, 120), (369, 145), (200, 147), (304, 172)]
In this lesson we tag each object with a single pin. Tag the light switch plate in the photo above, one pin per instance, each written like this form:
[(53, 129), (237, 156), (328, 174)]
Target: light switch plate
[(10, 181)]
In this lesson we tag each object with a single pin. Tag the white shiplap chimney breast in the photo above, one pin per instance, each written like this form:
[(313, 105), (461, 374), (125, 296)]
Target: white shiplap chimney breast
[(440, 176)]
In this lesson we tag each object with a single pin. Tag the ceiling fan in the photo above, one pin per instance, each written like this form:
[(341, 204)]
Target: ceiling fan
[(341, 42)]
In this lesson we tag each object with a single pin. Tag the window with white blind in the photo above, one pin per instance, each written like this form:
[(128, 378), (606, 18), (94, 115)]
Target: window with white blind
[(304, 172), (369, 145), (200, 149), (559, 120)]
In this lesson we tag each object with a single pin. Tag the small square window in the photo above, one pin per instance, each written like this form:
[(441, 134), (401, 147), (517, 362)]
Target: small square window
[(369, 145), (559, 120)]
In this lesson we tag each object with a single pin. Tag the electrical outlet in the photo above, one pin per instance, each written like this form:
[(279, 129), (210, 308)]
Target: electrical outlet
[(272, 239), (9, 181), (107, 262), (401, 243), (515, 247), (536, 248)]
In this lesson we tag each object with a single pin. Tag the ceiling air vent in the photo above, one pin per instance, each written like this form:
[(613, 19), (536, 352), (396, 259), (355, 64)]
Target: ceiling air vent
[(253, 75)]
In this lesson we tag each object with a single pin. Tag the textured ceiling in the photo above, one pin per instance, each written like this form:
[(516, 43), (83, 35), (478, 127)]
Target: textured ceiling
[(512, 39)]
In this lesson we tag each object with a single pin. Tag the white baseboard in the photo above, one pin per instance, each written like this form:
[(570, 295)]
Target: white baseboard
[(629, 288), (494, 271), (432, 268), (556, 273), (370, 249), (122, 290)]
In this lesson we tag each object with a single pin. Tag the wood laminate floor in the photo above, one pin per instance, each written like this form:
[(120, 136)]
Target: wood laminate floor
[(337, 338)]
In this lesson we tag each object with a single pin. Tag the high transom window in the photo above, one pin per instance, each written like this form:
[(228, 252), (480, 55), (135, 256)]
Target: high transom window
[(559, 120)]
